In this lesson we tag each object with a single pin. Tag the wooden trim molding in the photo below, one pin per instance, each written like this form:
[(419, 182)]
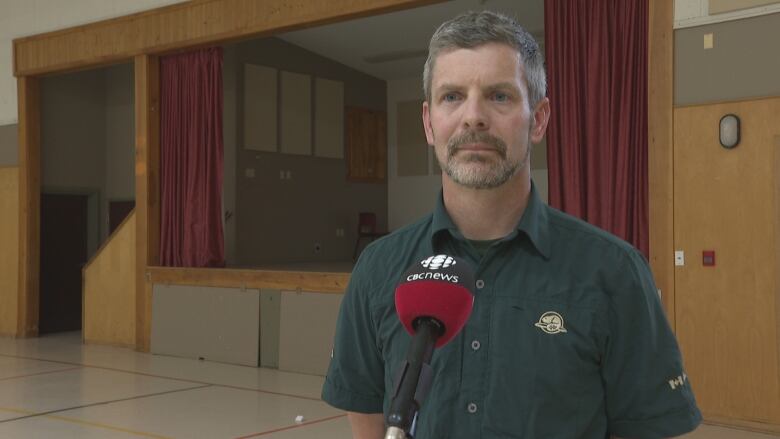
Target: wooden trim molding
[(147, 195), (660, 148), (776, 153), (317, 282), (183, 25), (757, 427), (29, 206)]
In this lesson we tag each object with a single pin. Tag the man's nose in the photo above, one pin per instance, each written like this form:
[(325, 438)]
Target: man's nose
[(475, 116)]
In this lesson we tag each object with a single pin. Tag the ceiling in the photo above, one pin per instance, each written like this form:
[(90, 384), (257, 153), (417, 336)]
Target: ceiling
[(394, 45)]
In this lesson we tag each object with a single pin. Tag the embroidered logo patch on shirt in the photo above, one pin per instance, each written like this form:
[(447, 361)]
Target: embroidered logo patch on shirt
[(551, 323), (679, 381)]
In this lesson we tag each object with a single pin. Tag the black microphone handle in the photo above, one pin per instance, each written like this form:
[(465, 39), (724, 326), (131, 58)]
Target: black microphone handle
[(415, 375)]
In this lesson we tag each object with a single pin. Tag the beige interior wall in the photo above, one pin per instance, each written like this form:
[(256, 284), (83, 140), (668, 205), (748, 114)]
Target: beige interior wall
[(295, 113), (743, 62), (120, 134), (409, 198), (109, 290), (73, 130), (328, 118), (412, 147), (260, 108), (9, 249), (721, 6), (9, 145)]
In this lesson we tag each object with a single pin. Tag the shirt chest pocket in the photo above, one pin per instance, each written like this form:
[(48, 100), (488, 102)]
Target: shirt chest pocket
[(544, 337), (544, 362)]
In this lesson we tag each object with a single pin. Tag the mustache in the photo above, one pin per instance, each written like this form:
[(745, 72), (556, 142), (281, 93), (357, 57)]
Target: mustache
[(475, 137)]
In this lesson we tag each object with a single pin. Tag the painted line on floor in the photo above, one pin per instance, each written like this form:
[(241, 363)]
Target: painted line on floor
[(269, 392), (107, 427), (39, 373), (15, 410), (79, 421), (94, 404), (291, 427), (184, 380)]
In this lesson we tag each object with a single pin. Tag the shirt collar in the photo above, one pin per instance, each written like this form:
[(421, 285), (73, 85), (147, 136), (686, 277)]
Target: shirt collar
[(534, 223)]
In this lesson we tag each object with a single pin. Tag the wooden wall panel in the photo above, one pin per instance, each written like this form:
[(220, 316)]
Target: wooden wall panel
[(109, 290), (147, 187), (261, 108), (307, 348), (29, 205), (728, 315), (183, 25), (261, 279), (660, 148), (9, 250), (328, 118), (216, 324), (295, 113)]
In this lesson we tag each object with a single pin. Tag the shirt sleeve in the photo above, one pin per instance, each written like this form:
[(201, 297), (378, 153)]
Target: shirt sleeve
[(648, 394), (355, 379)]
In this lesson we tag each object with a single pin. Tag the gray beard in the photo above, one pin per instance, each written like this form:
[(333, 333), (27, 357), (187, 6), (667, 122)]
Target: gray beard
[(495, 174)]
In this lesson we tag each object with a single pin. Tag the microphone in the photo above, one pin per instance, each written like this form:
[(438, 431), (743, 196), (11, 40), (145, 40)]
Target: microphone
[(433, 302)]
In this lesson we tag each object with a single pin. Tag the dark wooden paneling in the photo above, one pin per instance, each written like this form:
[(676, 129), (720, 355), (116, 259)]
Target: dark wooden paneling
[(29, 205)]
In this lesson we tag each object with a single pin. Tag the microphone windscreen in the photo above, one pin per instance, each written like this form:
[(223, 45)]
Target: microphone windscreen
[(440, 287)]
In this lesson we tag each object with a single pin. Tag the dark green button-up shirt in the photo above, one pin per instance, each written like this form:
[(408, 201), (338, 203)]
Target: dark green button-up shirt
[(567, 338)]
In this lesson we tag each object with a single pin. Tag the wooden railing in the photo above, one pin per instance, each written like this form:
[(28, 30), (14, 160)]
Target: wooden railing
[(109, 289)]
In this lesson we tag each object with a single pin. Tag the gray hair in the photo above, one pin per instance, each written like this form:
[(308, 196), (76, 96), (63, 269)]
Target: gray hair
[(474, 29)]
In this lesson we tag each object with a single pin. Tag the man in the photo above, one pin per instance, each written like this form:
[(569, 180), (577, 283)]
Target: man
[(567, 338)]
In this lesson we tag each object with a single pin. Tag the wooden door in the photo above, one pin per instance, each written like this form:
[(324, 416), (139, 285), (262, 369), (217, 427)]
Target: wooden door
[(63, 254), (366, 144), (727, 314)]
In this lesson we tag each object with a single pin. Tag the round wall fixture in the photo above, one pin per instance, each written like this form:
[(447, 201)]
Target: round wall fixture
[(729, 131)]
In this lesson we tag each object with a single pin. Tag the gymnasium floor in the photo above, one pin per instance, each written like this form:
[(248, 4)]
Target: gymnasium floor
[(54, 386)]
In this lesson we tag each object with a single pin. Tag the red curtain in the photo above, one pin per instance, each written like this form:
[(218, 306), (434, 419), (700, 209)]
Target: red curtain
[(191, 150), (596, 54)]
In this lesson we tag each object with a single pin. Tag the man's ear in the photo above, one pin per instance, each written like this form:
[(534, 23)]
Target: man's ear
[(541, 117), (426, 117)]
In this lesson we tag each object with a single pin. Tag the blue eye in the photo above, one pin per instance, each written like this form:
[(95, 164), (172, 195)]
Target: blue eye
[(450, 97), (501, 97)]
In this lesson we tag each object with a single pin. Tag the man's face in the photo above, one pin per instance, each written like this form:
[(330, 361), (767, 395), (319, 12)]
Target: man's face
[(479, 118)]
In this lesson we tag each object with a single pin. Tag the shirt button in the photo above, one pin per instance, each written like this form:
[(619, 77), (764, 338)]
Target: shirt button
[(475, 345), (480, 284), (472, 408)]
